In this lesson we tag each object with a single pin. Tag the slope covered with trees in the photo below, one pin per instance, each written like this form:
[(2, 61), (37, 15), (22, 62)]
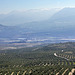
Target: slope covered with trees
[(46, 60)]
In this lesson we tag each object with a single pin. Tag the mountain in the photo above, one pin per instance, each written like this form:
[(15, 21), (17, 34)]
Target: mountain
[(61, 24), (64, 21), (25, 16), (64, 17)]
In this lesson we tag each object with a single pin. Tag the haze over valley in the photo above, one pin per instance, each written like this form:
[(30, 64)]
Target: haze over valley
[(54, 26)]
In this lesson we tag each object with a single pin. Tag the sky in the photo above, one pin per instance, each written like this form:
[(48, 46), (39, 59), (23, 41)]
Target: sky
[(11, 5)]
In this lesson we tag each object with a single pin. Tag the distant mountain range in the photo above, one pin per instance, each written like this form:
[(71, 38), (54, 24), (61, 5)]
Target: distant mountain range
[(25, 16), (61, 24)]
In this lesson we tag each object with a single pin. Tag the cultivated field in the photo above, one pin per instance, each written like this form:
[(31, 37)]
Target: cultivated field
[(47, 60)]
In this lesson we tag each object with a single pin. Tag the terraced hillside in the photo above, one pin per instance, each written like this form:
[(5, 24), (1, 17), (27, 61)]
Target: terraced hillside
[(53, 59)]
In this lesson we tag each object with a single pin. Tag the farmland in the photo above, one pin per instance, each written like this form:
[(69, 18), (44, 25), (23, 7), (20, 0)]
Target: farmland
[(52, 59)]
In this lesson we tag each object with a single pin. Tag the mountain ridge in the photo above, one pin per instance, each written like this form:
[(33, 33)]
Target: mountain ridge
[(52, 27)]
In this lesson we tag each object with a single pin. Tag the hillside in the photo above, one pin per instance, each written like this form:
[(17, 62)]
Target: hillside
[(39, 60), (59, 46)]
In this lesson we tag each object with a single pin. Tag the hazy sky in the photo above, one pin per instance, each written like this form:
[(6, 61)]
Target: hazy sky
[(10, 5)]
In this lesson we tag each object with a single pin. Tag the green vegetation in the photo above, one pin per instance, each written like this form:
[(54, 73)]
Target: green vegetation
[(38, 61)]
